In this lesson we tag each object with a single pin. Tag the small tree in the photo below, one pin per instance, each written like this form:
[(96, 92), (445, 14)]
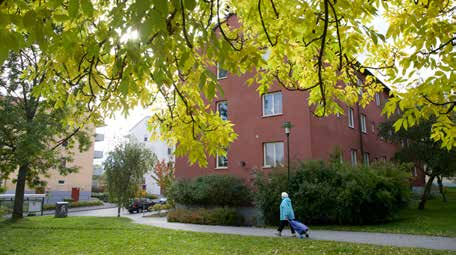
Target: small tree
[(419, 147), (163, 175), (125, 168)]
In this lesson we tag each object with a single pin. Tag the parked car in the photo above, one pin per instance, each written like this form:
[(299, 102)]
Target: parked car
[(161, 201), (140, 205)]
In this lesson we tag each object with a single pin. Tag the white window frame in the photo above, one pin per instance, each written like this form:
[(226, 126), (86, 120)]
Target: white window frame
[(275, 154), (363, 123), (218, 72), (366, 158), (377, 99), (217, 105), (217, 161), (351, 118), (353, 157), (273, 104)]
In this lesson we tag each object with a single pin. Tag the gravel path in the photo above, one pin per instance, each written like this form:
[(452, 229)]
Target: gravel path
[(399, 240)]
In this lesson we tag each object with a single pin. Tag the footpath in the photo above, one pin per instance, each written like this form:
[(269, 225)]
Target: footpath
[(386, 239)]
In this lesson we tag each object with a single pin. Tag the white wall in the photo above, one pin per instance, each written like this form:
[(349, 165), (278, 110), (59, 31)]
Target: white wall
[(139, 132)]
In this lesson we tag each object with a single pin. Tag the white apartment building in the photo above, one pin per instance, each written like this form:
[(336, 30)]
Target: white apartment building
[(140, 133)]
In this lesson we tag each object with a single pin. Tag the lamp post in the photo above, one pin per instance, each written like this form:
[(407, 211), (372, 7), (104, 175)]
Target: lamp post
[(287, 127)]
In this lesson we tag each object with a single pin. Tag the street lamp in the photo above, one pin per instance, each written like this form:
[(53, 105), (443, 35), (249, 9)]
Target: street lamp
[(287, 127)]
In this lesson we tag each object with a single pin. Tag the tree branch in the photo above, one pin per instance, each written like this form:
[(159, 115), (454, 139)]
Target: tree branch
[(264, 26)]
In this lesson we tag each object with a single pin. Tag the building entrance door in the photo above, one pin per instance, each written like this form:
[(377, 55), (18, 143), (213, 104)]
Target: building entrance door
[(75, 194)]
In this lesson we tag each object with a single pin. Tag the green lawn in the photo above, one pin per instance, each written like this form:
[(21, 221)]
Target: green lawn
[(438, 219), (91, 235)]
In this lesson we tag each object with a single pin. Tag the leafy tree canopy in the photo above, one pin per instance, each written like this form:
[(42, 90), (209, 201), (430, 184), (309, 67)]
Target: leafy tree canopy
[(419, 148), (125, 168), (34, 138), (312, 45)]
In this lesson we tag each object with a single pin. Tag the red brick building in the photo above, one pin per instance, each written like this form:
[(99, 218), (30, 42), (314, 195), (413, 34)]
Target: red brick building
[(262, 143)]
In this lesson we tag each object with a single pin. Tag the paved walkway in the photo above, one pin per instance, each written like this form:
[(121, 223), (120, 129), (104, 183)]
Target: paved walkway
[(83, 208), (400, 240)]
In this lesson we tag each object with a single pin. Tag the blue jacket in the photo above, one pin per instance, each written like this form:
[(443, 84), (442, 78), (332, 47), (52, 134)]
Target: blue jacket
[(286, 210)]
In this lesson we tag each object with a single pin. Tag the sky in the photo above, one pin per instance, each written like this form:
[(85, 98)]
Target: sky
[(117, 127)]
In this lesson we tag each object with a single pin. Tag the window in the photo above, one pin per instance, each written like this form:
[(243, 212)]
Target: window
[(272, 104), (359, 83), (145, 138), (221, 73), (222, 108), (266, 54), (366, 158), (61, 182), (377, 99), (351, 120), (273, 154), (169, 151), (222, 161), (363, 123), (354, 160), (63, 162)]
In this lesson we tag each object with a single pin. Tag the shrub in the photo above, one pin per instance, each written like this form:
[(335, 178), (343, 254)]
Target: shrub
[(75, 204), (159, 207), (336, 193), (151, 196), (216, 216), (211, 190), (102, 196)]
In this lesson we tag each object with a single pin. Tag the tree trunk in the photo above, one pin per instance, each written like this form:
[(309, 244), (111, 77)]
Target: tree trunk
[(118, 211), (439, 181), (20, 190), (427, 191)]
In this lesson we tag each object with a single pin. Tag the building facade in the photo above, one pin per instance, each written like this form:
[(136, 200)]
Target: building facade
[(262, 143), (76, 186), (141, 134)]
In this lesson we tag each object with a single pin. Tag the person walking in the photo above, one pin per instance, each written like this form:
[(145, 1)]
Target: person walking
[(286, 214)]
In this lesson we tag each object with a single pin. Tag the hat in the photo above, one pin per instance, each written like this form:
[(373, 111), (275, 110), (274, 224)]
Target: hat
[(284, 194)]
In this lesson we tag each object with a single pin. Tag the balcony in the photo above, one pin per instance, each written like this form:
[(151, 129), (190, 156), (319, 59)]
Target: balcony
[(97, 154)]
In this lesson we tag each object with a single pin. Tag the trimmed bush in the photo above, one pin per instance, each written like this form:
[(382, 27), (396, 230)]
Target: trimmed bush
[(211, 190), (151, 196), (159, 207), (76, 204), (216, 216), (324, 193), (102, 196)]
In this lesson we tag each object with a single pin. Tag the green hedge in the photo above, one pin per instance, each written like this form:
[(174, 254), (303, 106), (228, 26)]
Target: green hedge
[(211, 190), (104, 196), (324, 193), (76, 204), (216, 216)]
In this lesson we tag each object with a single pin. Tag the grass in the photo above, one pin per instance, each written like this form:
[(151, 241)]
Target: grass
[(438, 218), (92, 235)]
